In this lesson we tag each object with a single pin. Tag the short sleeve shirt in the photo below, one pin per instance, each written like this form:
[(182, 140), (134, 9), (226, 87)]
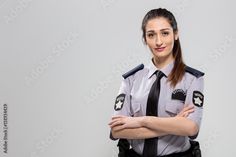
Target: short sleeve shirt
[(132, 101)]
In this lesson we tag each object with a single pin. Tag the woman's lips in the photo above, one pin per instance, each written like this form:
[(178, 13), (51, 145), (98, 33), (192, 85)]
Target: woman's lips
[(160, 49)]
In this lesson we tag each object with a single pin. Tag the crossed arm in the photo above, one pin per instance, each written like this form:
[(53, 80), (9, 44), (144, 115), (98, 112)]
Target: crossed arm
[(149, 126)]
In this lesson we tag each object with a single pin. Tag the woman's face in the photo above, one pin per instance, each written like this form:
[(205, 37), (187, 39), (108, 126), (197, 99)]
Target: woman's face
[(160, 38)]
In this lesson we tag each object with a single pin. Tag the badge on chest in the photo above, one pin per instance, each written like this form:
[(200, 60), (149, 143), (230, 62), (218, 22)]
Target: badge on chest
[(178, 94)]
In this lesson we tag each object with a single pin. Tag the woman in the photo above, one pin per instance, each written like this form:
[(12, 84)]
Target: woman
[(159, 106)]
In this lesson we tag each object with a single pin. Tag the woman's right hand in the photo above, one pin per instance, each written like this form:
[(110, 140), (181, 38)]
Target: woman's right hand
[(186, 111)]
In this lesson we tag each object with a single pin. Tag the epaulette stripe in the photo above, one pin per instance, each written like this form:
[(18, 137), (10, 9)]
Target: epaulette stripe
[(133, 71), (194, 72)]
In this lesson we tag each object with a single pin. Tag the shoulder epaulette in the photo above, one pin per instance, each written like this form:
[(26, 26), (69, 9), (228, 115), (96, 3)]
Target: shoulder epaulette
[(194, 72), (133, 71)]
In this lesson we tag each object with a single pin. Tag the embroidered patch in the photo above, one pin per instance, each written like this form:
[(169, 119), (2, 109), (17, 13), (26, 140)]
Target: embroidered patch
[(120, 99), (178, 94), (198, 98)]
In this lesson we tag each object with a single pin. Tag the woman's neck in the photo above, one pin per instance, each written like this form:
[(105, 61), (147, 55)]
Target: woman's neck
[(162, 62)]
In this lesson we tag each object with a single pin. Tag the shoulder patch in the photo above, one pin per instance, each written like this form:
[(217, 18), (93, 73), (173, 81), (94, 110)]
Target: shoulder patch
[(194, 72), (120, 99), (198, 98), (133, 71)]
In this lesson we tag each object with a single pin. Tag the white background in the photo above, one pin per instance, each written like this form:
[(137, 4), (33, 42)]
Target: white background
[(61, 63)]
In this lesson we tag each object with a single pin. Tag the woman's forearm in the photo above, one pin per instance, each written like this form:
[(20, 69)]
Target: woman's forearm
[(171, 125), (137, 133)]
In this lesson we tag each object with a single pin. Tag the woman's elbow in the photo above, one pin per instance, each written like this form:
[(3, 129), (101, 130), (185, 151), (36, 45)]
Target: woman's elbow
[(115, 134), (193, 129)]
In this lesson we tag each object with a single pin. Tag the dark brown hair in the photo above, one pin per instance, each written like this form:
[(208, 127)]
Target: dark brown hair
[(179, 67)]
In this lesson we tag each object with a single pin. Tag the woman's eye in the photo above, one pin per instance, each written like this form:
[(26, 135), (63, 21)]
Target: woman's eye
[(150, 35), (165, 33)]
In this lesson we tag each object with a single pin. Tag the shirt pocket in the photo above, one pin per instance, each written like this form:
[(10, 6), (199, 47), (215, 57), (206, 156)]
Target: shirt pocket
[(173, 107)]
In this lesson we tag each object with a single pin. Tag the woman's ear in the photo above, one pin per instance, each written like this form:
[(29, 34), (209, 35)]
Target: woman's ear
[(176, 35), (145, 42)]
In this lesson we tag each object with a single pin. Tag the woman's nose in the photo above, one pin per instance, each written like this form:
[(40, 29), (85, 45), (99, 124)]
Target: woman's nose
[(158, 40)]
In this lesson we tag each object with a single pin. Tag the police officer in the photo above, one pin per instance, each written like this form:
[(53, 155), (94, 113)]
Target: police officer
[(159, 106)]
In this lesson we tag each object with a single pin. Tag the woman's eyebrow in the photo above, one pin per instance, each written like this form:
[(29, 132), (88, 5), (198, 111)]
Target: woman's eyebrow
[(164, 29), (150, 31)]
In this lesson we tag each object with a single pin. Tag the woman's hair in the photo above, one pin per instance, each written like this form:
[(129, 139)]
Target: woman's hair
[(179, 67)]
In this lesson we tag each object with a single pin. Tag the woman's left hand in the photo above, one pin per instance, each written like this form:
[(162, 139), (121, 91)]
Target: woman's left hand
[(120, 122)]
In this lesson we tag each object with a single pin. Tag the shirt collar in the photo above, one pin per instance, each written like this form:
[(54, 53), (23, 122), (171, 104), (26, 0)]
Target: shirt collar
[(166, 70)]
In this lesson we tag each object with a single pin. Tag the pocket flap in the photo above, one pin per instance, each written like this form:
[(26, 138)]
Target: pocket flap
[(174, 106)]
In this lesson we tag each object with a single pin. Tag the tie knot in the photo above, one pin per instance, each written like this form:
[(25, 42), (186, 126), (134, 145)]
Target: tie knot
[(159, 74)]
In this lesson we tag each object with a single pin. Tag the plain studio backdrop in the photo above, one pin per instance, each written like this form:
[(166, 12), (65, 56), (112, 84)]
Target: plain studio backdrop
[(61, 63)]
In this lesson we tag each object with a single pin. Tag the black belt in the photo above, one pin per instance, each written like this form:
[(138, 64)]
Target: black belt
[(187, 153)]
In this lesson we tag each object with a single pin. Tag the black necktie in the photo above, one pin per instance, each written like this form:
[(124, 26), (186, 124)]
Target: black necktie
[(150, 145)]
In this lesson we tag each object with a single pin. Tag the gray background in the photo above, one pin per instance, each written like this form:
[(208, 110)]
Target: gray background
[(62, 61)]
